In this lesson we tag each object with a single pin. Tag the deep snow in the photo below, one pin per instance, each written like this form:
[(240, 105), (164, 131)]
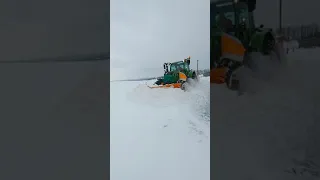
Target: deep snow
[(164, 134), (258, 135), (159, 134)]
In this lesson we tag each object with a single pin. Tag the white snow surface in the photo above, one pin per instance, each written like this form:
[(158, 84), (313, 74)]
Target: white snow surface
[(159, 134), (164, 133), (258, 135), (292, 44)]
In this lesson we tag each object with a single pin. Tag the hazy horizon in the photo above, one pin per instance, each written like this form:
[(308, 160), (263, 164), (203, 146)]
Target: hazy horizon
[(147, 33)]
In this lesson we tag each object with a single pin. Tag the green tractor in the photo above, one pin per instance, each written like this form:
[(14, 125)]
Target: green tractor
[(176, 74), (234, 36)]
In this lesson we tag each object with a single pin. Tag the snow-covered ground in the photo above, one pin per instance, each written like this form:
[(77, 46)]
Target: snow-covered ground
[(159, 134), (291, 45), (258, 136), (164, 134)]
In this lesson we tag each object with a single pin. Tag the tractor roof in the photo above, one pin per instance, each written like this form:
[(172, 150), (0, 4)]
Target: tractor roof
[(220, 1), (250, 3), (177, 62)]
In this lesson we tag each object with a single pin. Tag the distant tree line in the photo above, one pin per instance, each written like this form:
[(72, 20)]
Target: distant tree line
[(204, 72), (301, 32), (307, 35)]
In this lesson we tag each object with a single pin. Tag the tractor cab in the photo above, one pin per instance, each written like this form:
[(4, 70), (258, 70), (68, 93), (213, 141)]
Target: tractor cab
[(234, 37), (239, 13), (234, 17), (179, 66)]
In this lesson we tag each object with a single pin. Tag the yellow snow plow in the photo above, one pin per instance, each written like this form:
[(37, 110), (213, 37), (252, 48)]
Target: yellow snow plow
[(173, 85)]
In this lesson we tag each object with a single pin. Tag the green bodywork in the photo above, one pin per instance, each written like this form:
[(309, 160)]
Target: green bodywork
[(172, 75), (241, 15)]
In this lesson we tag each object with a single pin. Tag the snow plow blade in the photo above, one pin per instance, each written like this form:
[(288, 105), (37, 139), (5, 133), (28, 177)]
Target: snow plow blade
[(166, 86), (217, 75)]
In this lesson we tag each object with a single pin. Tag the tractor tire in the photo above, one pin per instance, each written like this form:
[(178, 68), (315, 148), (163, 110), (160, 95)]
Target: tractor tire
[(191, 82), (230, 78), (268, 44), (194, 76), (183, 86)]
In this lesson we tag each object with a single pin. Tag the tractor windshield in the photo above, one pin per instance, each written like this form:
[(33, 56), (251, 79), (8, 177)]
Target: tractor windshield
[(179, 66), (228, 15), (183, 66), (243, 15), (173, 67), (224, 17), (221, 10)]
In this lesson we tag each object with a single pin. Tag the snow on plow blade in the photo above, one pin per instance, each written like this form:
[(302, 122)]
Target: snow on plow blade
[(166, 86)]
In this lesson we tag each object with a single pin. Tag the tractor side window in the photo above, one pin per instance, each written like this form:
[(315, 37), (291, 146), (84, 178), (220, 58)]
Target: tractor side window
[(227, 22), (225, 18), (186, 66), (182, 66), (173, 68), (226, 10), (243, 16), (227, 15), (230, 16)]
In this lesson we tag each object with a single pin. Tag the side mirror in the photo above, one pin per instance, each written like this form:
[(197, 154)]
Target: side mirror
[(261, 26)]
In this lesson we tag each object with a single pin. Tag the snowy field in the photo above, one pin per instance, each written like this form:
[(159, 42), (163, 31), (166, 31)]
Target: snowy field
[(262, 135), (159, 134), (268, 134)]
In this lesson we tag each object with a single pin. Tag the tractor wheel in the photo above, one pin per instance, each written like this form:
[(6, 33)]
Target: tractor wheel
[(231, 79), (268, 44), (183, 86), (194, 78)]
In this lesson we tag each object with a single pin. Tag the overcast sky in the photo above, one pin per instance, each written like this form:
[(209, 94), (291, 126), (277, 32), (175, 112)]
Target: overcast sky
[(49, 29), (147, 33), (294, 12)]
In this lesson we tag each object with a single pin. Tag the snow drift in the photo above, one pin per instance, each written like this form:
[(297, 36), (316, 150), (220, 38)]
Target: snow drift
[(159, 133), (261, 135)]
